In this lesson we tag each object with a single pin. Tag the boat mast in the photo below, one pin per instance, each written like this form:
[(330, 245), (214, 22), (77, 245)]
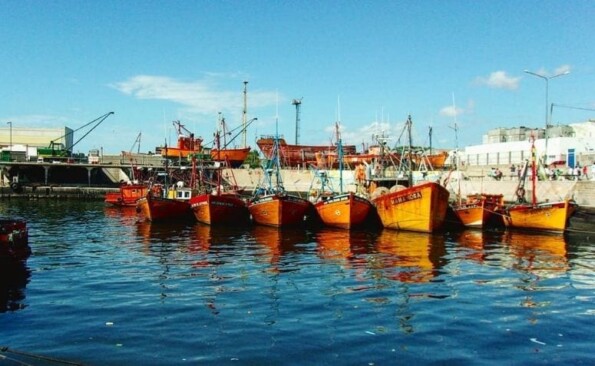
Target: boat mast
[(339, 146), (245, 112), (533, 172), (410, 175), (218, 169)]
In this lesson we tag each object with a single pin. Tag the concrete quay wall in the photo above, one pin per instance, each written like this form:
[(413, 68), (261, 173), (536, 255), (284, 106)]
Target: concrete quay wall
[(301, 180)]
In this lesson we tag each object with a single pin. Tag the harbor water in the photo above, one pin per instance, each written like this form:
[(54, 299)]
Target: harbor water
[(103, 288)]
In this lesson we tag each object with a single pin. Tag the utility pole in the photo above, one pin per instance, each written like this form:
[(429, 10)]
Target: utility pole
[(297, 103)]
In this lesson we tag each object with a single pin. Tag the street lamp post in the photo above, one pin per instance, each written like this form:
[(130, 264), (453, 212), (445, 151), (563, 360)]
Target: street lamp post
[(547, 120)]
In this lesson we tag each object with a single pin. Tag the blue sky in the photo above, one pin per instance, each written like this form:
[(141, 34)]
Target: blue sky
[(368, 64)]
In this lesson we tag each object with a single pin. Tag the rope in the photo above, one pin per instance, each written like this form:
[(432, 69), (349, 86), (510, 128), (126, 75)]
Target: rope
[(4, 349)]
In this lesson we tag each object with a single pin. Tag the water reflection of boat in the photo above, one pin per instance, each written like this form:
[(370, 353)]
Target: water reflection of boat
[(410, 256), (14, 240), (14, 276), (158, 232), (278, 241), (335, 244), (540, 254), (472, 241)]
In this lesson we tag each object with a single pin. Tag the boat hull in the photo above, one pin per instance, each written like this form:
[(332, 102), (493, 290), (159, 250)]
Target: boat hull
[(219, 209), (163, 209), (279, 210), (552, 217), (418, 208), (343, 210), (479, 210), (232, 157)]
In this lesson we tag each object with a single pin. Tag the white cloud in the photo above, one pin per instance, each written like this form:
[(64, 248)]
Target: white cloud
[(451, 111), (200, 96), (499, 80), (562, 69)]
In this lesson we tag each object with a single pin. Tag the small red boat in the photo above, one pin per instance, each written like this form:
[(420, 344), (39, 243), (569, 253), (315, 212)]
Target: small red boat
[(176, 206), (128, 195), (14, 240)]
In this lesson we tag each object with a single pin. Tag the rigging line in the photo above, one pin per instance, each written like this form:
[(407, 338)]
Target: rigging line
[(39, 357)]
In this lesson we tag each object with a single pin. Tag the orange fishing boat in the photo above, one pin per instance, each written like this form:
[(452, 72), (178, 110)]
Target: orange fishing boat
[(187, 144), (127, 195), (345, 211), (271, 205), (339, 209), (421, 207), (547, 216), (477, 210), (279, 209)]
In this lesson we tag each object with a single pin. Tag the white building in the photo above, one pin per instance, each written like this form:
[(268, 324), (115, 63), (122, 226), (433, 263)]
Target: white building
[(567, 145)]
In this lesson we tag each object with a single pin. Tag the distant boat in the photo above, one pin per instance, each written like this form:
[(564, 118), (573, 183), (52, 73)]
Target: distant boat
[(421, 207), (296, 155), (127, 195), (479, 209), (339, 209), (545, 216), (232, 157), (271, 205), (187, 144), (14, 240)]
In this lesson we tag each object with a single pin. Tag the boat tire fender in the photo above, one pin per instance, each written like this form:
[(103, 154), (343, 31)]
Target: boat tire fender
[(520, 192)]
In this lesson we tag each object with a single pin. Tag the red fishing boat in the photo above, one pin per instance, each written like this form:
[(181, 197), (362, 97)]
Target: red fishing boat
[(127, 195), (14, 240), (174, 206), (223, 206)]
